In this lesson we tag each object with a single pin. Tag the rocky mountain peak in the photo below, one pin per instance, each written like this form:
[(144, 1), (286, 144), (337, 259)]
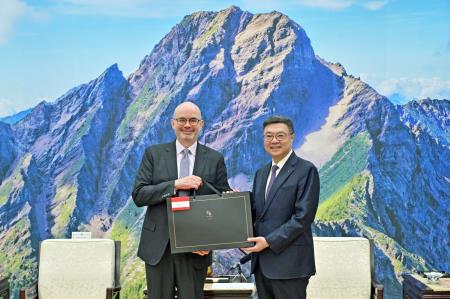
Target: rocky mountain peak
[(429, 115), (35, 124), (111, 75), (8, 150), (337, 67)]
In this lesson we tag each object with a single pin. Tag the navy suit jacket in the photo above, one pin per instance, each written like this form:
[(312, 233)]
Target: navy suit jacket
[(155, 183), (285, 219)]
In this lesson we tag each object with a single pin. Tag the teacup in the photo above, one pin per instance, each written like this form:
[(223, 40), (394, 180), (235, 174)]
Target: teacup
[(433, 277)]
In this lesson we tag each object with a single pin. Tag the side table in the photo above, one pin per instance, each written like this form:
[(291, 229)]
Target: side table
[(418, 287), (228, 290)]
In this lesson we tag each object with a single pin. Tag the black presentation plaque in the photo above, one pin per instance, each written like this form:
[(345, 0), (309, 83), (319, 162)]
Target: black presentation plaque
[(211, 222)]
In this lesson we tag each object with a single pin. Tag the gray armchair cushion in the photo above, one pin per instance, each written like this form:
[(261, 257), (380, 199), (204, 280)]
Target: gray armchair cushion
[(343, 267), (71, 268)]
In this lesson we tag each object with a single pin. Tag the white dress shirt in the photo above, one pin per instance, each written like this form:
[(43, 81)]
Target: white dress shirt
[(280, 165), (192, 149)]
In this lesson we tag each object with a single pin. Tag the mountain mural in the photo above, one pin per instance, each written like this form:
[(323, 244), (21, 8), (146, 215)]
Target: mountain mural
[(69, 165)]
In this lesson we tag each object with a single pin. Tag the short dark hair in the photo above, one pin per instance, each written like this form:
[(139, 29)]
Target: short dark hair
[(279, 119)]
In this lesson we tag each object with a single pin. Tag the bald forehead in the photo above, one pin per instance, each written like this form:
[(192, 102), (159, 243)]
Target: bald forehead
[(187, 109)]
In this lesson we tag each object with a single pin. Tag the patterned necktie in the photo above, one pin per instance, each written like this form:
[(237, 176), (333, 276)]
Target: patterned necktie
[(184, 163), (272, 178), (184, 169)]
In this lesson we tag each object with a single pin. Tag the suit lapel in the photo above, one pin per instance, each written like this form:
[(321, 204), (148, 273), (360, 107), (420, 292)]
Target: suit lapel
[(285, 172), (262, 181), (171, 160), (200, 160)]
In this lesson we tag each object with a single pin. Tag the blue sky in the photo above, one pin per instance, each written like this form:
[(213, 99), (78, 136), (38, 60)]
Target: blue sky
[(50, 46)]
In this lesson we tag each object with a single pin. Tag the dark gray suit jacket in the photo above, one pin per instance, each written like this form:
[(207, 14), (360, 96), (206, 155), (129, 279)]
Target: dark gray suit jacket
[(155, 183), (285, 219)]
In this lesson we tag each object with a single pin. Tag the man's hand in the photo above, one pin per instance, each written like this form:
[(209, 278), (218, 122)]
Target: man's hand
[(201, 252), (188, 182), (260, 244)]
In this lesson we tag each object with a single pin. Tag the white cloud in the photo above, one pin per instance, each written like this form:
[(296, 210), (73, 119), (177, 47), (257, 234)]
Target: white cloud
[(10, 106), (131, 8), (176, 8), (416, 88), (342, 4), (327, 4), (10, 12), (103, 2), (375, 5), (7, 107), (101, 6)]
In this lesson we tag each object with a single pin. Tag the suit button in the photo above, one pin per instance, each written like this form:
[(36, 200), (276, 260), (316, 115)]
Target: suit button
[(261, 220)]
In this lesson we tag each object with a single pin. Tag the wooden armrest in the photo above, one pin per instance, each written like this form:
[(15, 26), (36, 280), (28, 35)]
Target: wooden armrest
[(377, 290), (113, 293), (30, 292), (4, 288)]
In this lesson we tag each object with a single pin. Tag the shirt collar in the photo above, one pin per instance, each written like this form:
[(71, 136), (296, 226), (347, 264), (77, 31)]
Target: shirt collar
[(180, 147), (282, 161)]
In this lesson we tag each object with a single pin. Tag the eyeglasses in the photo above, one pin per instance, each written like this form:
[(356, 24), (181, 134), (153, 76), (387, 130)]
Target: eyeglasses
[(281, 136), (192, 121)]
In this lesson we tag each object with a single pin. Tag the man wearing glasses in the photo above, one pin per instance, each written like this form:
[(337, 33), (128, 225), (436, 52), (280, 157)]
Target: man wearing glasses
[(167, 170), (284, 204)]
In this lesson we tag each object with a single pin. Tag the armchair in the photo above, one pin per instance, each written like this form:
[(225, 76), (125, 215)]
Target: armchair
[(344, 268), (77, 268)]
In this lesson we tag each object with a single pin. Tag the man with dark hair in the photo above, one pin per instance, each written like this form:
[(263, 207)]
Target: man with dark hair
[(284, 204), (166, 170)]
